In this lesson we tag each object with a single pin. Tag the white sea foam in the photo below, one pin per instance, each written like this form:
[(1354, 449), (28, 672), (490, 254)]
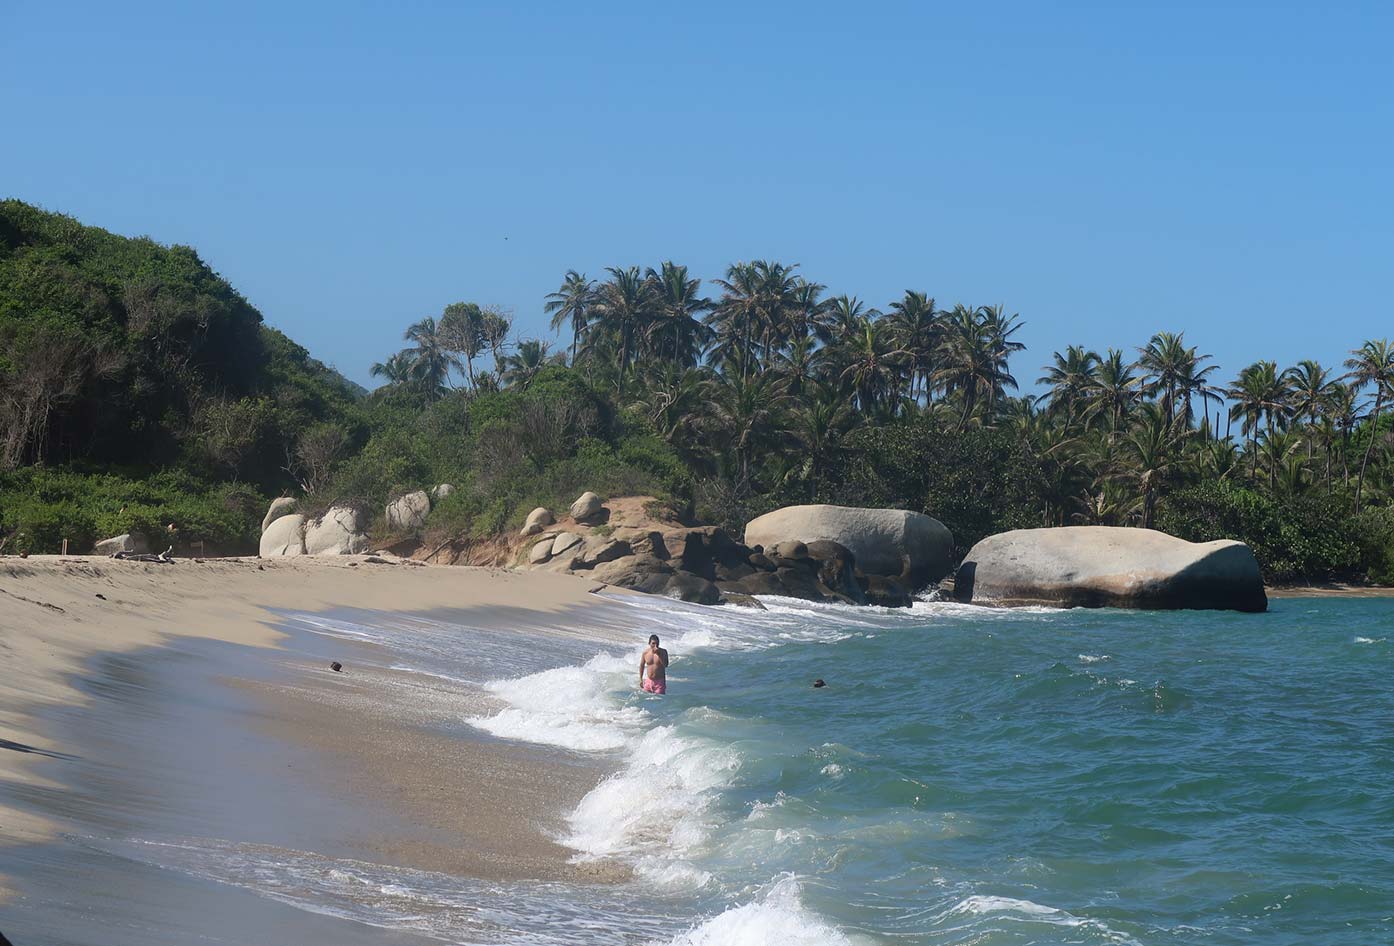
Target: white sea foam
[(1094, 658), (568, 707), (775, 918), (1370, 640)]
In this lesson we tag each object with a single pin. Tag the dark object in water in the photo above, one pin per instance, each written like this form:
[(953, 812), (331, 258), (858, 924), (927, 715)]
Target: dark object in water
[(818, 683), (336, 666), (4, 941)]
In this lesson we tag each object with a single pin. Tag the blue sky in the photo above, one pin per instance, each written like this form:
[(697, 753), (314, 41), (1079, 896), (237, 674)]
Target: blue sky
[(1106, 170)]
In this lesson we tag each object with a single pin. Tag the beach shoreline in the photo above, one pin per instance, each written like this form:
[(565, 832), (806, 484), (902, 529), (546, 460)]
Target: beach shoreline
[(346, 737)]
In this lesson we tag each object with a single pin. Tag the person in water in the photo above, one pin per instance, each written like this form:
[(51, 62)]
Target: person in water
[(653, 668)]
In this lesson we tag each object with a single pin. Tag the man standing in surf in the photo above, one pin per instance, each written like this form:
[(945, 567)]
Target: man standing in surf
[(653, 668)]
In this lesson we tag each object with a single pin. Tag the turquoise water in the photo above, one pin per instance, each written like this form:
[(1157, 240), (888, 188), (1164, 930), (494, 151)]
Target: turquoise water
[(968, 776), (995, 777)]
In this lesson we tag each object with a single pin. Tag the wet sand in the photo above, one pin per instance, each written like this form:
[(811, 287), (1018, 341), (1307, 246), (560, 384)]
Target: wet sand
[(173, 707), (1330, 591)]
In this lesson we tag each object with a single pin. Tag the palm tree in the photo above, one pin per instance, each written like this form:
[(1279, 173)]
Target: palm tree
[(399, 370), (914, 324), (624, 305), (1346, 411), (432, 359), (824, 420), (571, 303), (1116, 390), (678, 328), (755, 308), (1147, 454), (871, 362), (973, 357), (1072, 379), (1173, 373), (1259, 392), (1371, 364), (673, 398), (748, 414), (1309, 387), (523, 365)]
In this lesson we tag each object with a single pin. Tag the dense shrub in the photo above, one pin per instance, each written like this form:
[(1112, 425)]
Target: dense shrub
[(1308, 538), (41, 508)]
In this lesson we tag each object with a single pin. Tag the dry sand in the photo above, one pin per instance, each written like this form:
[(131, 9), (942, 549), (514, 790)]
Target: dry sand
[(59, 612)]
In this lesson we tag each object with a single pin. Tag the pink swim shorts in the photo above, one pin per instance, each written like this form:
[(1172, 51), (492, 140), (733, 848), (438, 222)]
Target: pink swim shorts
[(655, 686)]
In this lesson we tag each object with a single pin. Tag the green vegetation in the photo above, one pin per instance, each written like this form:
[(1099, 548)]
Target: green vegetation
[(120, 354)]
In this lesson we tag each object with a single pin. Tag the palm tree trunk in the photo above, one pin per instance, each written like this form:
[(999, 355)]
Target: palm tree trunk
[(1374, 431)]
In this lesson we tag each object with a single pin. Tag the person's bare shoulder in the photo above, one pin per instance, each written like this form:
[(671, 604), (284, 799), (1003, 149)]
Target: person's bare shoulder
[(663, 654)]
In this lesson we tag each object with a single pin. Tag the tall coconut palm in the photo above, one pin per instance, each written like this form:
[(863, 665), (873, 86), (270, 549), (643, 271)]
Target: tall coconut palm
[(677, 331), (914, 324), (1259, 393), (624, 305), (1309, 386), (1173, 373), (819, 426), (1116, 390), (432, 358), (1072, 379), (1372, 364), (571, 303), (871, 363), (973, 357), (1346, 410)]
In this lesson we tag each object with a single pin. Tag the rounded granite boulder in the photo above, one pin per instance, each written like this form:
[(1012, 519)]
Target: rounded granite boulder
[(1107, 566)]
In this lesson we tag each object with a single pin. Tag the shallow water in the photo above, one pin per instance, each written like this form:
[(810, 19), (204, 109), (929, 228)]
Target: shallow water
[(968, 776)]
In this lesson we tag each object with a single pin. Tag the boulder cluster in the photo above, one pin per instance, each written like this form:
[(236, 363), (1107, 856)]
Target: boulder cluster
[(341, 530), (706, 565)]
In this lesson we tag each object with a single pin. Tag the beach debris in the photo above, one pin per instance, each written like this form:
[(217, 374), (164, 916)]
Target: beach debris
[(336, 666), (818, 684), (161, 559), (100, 595), (537, 520), (378, 560)]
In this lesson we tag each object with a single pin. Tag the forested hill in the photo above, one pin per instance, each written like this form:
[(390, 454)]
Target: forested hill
[(119, 352)]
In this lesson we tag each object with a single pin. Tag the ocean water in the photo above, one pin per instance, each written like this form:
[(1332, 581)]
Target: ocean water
[(968, 776)]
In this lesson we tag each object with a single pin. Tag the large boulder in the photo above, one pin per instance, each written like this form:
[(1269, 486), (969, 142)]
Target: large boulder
[(588, 507), (338, 532), (286, 536), (280, 506), (1104, 566), (408, 513), (889, 542), (598, 552), (440, 492), (541, 551), (133, 542), (537, 520)]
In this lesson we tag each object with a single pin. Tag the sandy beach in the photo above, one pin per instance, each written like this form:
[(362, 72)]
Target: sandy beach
[(354, 764)]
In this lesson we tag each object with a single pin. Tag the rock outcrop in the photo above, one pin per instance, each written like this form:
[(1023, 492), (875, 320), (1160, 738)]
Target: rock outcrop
[(133, 542), (588, 507), (705, 565), (338, 532), (286, 536), (280, 506), (408, 513), (440, 492), (893, 543), (539, 519), (1103, 566)]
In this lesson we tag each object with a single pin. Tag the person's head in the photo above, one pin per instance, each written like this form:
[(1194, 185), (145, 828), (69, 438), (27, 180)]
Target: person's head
[(653, 640)]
